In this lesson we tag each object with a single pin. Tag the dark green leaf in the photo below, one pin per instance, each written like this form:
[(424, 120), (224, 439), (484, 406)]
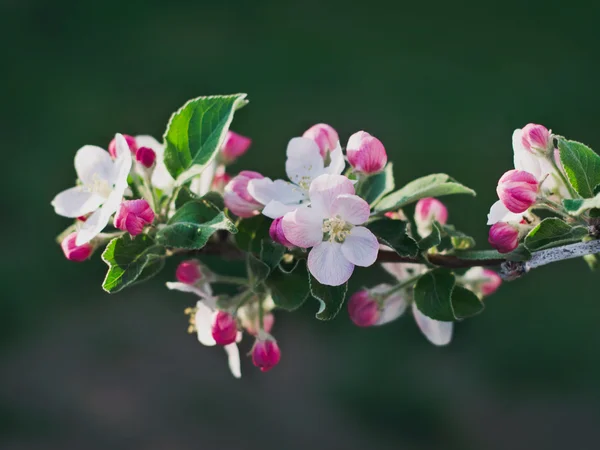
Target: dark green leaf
[(393, 234), (127, 258), (196, 132), (460, 240), (581, 165), (331, 298), (251, 232), (378, 185), (289, 291), (433, 240), (435, 185), (577, 205), (465, 303), (271, 253), (552, 232), (258, 271), (433, 293)]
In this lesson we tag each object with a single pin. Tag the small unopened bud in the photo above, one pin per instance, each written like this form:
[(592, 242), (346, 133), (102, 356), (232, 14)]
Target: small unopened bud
[(426, 211), (74, 252), (276, 233), (112, 147), (220, 180), (133, 216), (188, 272), (366, 153), (324, 136), (224, 328), (363, 310), (518, 190), (238, 199), (504, 237), (145, 156), (492, 283), (536, 137), (235, 145), (266, 354)]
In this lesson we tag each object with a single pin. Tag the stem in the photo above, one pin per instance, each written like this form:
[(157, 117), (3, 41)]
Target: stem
[(400, 286), (555, 254)]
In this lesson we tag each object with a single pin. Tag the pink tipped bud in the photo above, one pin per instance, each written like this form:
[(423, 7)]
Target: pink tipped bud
[(430, 209), (366, 153), (74, 252), (536, 137), (504, 237), (518, 190), (492, 284), (325, 137), (276, 233), (238, 199), (189, 272), (112, 147), (133, 216), (145, 156), (266, 354), (363, 310), (220, 180), (235, 145), (224, 328)]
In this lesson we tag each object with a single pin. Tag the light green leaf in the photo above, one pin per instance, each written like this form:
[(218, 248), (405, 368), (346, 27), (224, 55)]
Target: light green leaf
[(435, 185), (433, 293), (331, 298), (378, 185), (465, 303), (289, 291), (393, 234), (581, 165), (552, 232), (196, 132), (127, 260), (578, 205)]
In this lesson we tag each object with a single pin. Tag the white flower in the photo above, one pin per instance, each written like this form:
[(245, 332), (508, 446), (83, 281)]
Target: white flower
[(437, 332), (103, 183), (329, 226), (161, 178), (202, 320), (304, 164)]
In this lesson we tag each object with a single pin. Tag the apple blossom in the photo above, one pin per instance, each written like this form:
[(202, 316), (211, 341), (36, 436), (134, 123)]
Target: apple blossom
[(161, 178), (536, 137), (145, 156), (237, 196), (426, 211), (277, 234), (363, 309), (366, 153), (235, 145), (518, 190), (224, 328), (74, 252), (189, 272), (131, 144), (249, 316), (504, 237), (103, 184), (481, 280), (324, 136), (266, 353), (331, 227), (133, 216)]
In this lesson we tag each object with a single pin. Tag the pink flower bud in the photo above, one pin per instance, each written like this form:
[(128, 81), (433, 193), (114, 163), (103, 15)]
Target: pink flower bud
[(276, 233), (430, 209), (238, 199), (518, 190), (536, 137), (366, 153), (363, 310), (504, 237), (133, 216), (145, 156), (224, 328), (73, 252), (252, 327), (188, 272), (325, 137), (220, 180), (235, 145), (492, 284), (112, 147), (265, 354)]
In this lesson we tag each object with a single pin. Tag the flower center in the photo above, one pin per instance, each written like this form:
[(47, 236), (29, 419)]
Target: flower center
[(336, 229), (100, 186), (192, 313)]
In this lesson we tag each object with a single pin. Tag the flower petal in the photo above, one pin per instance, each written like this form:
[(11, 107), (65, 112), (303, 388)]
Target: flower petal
[(328, 265), (524, 159), (233, 358), (275, 209), (403, 271), (100, 218), (500, 213), (325, 189), (351, 208), (304, 161), (337, 164), (93, 163), (265, 190), (122, 165), (202, 183), (361, 247), (148, 141), (76, 202), (303, 227), (188, 288), (438, 333), (203, 320)]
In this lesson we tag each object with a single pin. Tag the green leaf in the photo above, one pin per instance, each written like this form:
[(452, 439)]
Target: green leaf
[(196, 132), (519, 254), (576, 206), (393, 234), (552, 232), (435, 185), (378, 185), (459, 240), (193, 224), (152, 269), (331, 298), (289, 291), (127, 260), (581, 165), (251, 232), (271, 253), (433, 293), (465, 303), (258, 271), (433, 240)]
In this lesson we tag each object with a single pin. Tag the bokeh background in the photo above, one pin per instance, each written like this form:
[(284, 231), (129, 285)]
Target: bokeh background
[(442, 84)]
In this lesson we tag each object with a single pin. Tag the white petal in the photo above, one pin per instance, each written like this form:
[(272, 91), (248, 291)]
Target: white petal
[(202, 183), (76, 202), (351, 208), (499, 213), (303, 227), (162, 179), (328, 265), (325, 189), (304, 161), (203, 321), (265, 190), (93, 163), (100, 218), (150, 142), (394, 308), (403, 271), (183, 287), (122, 164), (337, 164), (233, 358), (524, 159), (275, 209), (438, 333), (361, 247)]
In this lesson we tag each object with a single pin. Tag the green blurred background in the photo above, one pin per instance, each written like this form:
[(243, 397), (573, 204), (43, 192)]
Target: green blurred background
[(443, 85)]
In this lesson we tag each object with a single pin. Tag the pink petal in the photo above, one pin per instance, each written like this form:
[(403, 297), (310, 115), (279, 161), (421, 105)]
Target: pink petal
[(351, 208), (303, 227), (361, 247), (325, 189), (438, 333), (328, 265)]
